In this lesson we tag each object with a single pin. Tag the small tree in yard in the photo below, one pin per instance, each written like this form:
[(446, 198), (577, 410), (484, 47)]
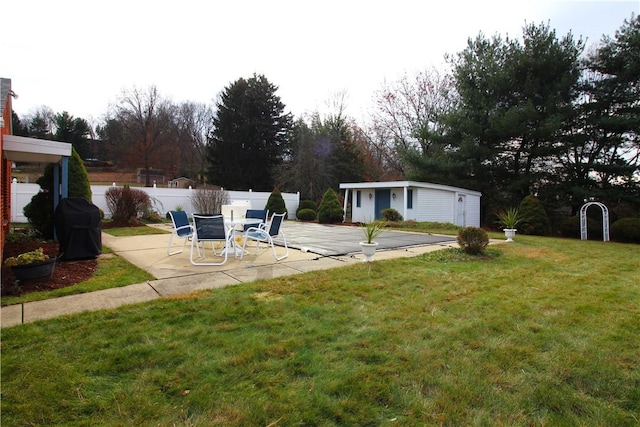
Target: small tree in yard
[(330, 210), (275, 203)]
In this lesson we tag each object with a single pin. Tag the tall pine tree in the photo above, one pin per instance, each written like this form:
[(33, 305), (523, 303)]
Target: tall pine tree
[(250, 137)]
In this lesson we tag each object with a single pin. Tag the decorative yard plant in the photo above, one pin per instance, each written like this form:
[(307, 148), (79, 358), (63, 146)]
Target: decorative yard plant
[(373, 230), (509, 218), (33, 257)]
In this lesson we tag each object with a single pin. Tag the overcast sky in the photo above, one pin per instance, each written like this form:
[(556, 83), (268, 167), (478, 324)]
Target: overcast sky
[(78, 56)]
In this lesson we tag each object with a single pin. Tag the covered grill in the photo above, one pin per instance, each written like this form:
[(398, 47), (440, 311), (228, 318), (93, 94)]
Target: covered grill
[(77, 225)]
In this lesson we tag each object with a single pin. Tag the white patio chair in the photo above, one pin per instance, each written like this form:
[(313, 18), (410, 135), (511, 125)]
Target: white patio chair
[(210, 229), (266, 235), (181, 229)]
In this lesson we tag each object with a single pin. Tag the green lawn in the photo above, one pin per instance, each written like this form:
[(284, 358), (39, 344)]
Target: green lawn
[(544, 334)]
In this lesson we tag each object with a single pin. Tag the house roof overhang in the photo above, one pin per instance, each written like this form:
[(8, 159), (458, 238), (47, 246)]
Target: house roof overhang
[(23, 149)]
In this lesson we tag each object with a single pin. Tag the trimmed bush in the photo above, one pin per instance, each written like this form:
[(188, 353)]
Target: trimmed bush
[(473, 240), (534, 218), (306, 215), (276, 204), (127, 204), (390, 214), (330, 210), (626, 230), (308, 204)]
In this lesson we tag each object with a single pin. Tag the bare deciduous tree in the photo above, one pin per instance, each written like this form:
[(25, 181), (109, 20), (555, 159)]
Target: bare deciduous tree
[(407, 115), (146, 120)]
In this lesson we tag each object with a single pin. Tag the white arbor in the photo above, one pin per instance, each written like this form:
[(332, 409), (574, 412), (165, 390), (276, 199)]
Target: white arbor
[(605, 220)]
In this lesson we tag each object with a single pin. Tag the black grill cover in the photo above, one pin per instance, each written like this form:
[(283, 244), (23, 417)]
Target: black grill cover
[(77, 224)]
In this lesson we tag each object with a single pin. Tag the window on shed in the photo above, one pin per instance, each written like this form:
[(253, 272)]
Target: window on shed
[(358, 198), (409, 199)]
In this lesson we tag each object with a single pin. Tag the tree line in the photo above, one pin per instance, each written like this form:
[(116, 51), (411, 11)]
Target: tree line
[(511, 118)]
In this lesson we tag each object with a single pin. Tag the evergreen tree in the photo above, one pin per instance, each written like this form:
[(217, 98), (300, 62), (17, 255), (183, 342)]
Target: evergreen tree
[(251, 136), (534, 218), (39, 211), (601, 151), (515, 98), (72, 130), (330, 210), (276, 204)]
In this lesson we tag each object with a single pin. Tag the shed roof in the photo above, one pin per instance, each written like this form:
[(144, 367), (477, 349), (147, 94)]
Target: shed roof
[(407, 184)]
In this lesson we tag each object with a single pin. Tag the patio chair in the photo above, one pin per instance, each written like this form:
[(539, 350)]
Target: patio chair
[(181, 229), (257, 214), (209, 228), (266, 235)]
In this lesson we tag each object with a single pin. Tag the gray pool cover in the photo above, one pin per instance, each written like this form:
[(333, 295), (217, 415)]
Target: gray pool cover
[(330, 240)]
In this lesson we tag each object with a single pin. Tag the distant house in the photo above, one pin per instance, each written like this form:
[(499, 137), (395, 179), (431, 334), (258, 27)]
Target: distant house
[(181, 182), (418, 201)]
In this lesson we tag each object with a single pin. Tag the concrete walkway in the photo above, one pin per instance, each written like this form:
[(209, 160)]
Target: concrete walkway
[(175, 275)]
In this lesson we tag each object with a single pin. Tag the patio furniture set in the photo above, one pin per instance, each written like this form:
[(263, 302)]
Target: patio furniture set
[(230, 231)]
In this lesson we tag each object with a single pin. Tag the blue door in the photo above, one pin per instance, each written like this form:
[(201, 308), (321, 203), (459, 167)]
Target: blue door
[(383, 201)]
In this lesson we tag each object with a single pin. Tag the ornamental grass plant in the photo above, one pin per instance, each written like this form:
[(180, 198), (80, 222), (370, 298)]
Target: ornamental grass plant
[(541, 332)]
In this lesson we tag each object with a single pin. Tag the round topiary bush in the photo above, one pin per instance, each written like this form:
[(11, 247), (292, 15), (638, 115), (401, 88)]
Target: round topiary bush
[(473, 240), (330, 210), (392, 215), (306, 215), (626, 230), (307, 205)]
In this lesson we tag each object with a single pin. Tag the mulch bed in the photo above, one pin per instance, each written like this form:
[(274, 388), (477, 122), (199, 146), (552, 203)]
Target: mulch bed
[(66, 273)]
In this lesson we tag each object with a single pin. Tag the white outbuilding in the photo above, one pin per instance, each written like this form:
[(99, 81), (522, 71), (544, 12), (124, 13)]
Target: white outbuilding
[(418, 201)]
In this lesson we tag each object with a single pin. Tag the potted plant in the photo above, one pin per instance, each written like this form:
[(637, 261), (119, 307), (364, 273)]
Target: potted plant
[(36, 264), (371, 231), (508, 220)]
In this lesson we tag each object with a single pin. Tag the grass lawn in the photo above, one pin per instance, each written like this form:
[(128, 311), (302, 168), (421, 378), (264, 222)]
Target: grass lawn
[(544, 334)]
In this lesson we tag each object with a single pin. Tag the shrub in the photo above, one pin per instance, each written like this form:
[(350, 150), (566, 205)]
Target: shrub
[(208, 201), (276, 204), (307, 204), (473, 240), (534, 218), (39, 211), (391, 214), (127, 204), (571, 228), (330, 210), (306, 215), (626, 230)]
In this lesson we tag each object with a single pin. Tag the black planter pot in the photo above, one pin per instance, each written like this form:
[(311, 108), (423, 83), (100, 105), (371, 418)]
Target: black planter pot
[(37, 270)]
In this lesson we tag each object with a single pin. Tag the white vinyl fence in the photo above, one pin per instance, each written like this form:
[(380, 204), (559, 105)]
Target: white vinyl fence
[(163, 199)]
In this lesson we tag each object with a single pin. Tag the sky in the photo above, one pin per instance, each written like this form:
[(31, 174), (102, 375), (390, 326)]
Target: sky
[(78, 56)]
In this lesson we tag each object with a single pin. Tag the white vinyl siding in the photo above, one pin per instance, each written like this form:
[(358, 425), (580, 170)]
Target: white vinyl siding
[(434, 205)]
